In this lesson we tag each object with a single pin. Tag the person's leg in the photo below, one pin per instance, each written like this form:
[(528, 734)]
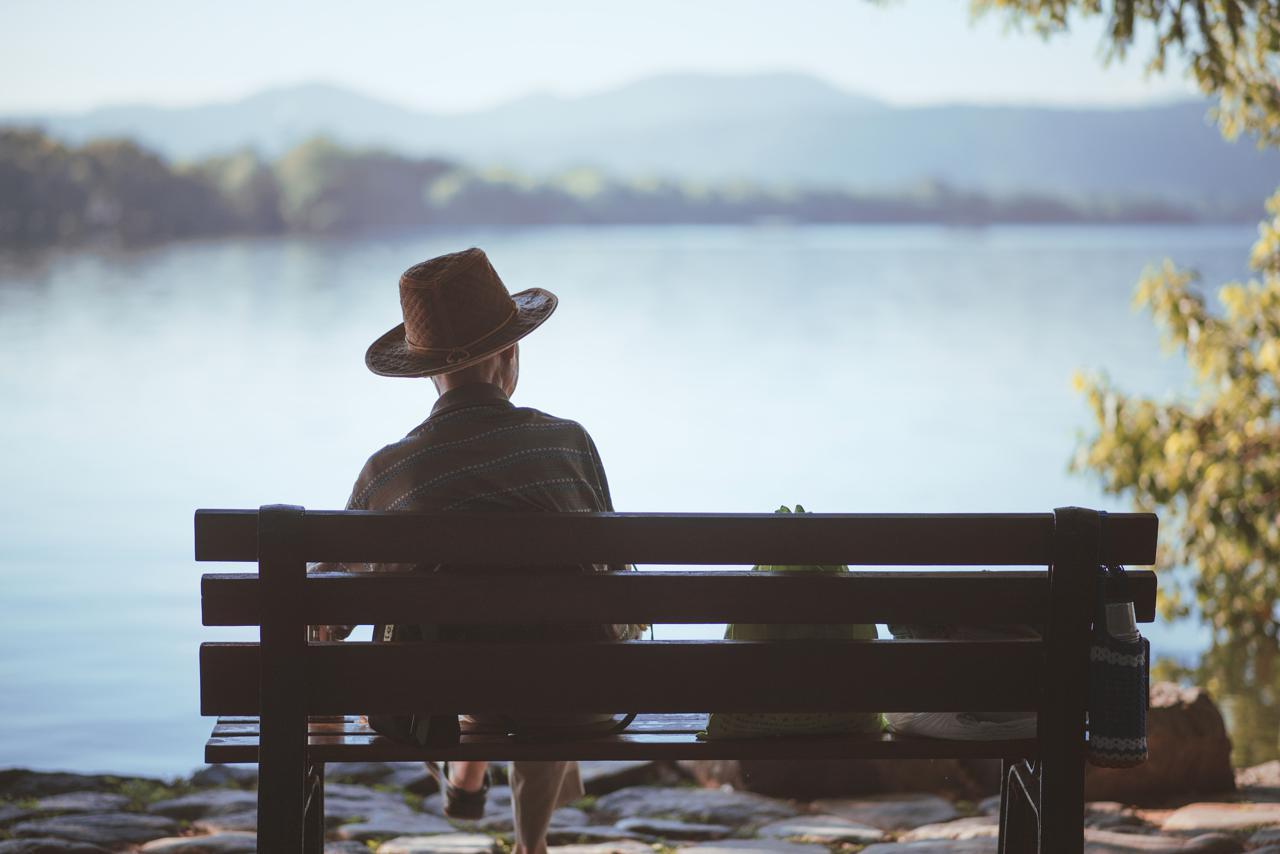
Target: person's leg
[(537, 790), (468, 776)]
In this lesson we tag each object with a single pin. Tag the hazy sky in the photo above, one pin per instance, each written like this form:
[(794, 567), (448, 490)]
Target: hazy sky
[(465, 54)]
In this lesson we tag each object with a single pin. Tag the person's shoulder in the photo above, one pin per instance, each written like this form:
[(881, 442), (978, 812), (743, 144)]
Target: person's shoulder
[(539, 418), (383, 463)]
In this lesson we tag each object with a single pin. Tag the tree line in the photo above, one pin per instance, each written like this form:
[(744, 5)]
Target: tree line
[(51, 193)]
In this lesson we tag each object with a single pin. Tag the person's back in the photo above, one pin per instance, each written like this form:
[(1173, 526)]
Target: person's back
[(477, 452)]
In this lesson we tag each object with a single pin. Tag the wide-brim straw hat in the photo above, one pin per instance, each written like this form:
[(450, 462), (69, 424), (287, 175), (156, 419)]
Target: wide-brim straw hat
[(456, 312)]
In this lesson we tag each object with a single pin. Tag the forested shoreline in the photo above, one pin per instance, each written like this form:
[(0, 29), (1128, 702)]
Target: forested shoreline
[(116, 189)]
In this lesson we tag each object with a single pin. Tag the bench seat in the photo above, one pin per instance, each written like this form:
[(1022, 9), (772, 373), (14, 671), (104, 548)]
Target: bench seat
[(348, 738)]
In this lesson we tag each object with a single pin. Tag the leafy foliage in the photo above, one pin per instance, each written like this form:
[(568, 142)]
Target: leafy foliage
[(1214, 462), (1230, 46)]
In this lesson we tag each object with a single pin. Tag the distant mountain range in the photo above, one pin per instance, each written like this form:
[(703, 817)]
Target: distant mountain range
[(774, 129)]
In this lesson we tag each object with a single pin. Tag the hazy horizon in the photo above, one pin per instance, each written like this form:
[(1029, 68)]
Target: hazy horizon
[(456, 59), (1154, 101)]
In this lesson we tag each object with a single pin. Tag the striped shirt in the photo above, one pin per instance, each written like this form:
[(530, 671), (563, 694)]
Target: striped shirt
[(479, 452)]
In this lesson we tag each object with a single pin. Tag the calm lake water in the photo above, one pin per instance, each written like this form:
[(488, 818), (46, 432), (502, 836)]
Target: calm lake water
[(850, 369)]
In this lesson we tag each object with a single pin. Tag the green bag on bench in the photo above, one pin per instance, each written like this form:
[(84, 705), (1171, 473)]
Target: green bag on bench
[(766, 724)]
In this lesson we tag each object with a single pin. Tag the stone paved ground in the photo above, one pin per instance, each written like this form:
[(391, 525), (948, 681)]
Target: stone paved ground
[(633, 808)]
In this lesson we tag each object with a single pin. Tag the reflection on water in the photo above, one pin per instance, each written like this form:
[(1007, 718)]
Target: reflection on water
[(846, 368)]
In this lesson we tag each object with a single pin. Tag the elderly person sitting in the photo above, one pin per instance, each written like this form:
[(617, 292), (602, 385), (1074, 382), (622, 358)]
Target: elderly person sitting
[(477, 451)]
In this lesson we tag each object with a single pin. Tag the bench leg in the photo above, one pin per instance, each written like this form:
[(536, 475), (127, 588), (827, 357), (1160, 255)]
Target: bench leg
[(1019, 816), (282, 798), (313, 827), (1062, 804)]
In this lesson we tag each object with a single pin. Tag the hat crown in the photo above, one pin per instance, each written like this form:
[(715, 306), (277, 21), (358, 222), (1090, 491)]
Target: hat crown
[(452, 302)]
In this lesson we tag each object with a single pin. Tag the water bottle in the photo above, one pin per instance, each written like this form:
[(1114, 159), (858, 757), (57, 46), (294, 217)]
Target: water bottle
[(1122, 623)]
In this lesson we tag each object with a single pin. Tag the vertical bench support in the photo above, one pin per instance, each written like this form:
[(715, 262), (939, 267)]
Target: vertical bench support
[(282, 751), (1061, 731)]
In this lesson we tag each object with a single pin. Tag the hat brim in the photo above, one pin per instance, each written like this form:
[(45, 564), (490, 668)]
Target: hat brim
[(390, 355)]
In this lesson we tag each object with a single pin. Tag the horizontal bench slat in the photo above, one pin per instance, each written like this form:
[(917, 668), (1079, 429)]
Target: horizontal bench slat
[(889, 596), (653, 746), (640, 676), (661, 538), (229, 727)]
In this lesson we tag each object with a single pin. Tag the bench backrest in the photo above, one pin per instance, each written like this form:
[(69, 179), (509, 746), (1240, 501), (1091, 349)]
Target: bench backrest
[(286, 672)]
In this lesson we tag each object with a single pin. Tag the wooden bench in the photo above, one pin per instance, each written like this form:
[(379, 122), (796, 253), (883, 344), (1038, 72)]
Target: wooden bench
[(291, 706)]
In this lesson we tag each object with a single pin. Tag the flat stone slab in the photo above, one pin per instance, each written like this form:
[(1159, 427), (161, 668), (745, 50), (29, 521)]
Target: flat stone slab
[(823, 829), (1222, 816), (204, 804), (346, 847), (13, 812), (48, 846), (622, 846), (934, 846), (501, 822), (592, 833), (239, 776), (82, 802), (382, 825), (450, 843), (236, 821), (755, 846), (218, 843), (976, 827), (407, 775), (22, 783), (600, 777), (1113, 842), (890, 812), (703, 806), (667, 829), (115, 828)]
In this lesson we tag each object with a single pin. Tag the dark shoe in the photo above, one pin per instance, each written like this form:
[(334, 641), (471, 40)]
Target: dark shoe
[(460, 803)]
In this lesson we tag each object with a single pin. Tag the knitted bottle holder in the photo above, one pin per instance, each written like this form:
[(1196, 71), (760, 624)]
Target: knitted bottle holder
[(1119, 672)]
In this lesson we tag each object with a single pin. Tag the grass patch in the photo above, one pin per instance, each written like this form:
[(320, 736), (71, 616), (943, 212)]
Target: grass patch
[(144, 793), (586, 803)]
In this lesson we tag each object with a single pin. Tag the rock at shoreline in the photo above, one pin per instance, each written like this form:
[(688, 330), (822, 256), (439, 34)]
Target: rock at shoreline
[(621, 846), (818, 778), (754, 846), (1223, 816), (1190, 753), (48, 846), (238, 776), (204, 804), (13, 812), (667, 829), (891, 812), (1111, 842), (708, 806), (451, 843), (938, 846), (82, 802), (381, 825), (219, 843), (976, 827), (822, 829), (602, 777), (116, 828), (18, 783), (592, 834), (411, 776)]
